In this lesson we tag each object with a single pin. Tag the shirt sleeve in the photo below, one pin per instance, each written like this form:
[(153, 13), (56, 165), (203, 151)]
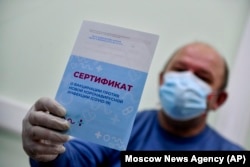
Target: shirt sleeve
[(79, 153)]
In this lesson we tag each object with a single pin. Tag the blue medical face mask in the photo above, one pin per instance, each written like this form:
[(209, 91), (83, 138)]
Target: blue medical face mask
[(183, 95)]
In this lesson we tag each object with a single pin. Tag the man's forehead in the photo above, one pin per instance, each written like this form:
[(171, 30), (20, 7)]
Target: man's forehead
[(199, 51), (200, 55), (200, 58)]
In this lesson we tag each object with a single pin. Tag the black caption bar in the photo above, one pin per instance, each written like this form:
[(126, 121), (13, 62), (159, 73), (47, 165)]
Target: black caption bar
[(185, 158)]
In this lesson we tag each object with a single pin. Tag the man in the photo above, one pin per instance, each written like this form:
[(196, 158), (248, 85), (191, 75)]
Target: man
[(191, 84)]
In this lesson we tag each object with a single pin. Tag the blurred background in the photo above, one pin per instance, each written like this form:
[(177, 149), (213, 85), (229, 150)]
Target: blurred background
[(37, 37)]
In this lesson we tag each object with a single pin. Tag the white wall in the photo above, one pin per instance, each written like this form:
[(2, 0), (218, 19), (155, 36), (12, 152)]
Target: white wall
[(234, 118), (36, 37)]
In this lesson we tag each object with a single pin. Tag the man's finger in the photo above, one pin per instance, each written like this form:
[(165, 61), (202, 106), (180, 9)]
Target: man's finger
[(40, 148), (49, 121), (45, 158), (44, 152), (38, 133), (47, 104)]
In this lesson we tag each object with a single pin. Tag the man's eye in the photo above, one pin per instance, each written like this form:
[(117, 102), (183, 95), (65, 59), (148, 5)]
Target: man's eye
[(179, 69), (207, 80)]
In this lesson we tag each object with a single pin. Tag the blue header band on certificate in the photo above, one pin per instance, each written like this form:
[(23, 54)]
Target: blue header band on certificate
[(99, 103)]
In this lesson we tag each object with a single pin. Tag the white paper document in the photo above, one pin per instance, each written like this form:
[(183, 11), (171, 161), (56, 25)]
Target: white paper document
[(103, 82)]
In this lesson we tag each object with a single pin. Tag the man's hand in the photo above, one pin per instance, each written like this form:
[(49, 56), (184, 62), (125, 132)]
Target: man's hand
[(42, 140)]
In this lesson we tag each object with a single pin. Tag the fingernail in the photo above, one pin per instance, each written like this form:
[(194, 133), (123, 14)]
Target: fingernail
[(61, 148), (67, 124), (63, 110), (71, 138)]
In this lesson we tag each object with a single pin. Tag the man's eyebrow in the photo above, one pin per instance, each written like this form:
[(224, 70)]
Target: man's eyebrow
[(179, 63), (205, 72)]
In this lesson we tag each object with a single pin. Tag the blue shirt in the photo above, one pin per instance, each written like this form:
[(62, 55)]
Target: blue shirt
[(147, 134)]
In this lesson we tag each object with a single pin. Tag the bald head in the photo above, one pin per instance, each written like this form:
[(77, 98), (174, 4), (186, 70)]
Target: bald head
[(204, 61)]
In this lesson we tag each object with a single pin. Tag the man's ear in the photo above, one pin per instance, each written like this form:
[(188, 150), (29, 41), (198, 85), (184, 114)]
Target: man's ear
[(220, 100), (161, 80)]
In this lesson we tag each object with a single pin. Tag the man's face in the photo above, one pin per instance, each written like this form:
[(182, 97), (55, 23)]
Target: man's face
[(204, 62), (201, 60)]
